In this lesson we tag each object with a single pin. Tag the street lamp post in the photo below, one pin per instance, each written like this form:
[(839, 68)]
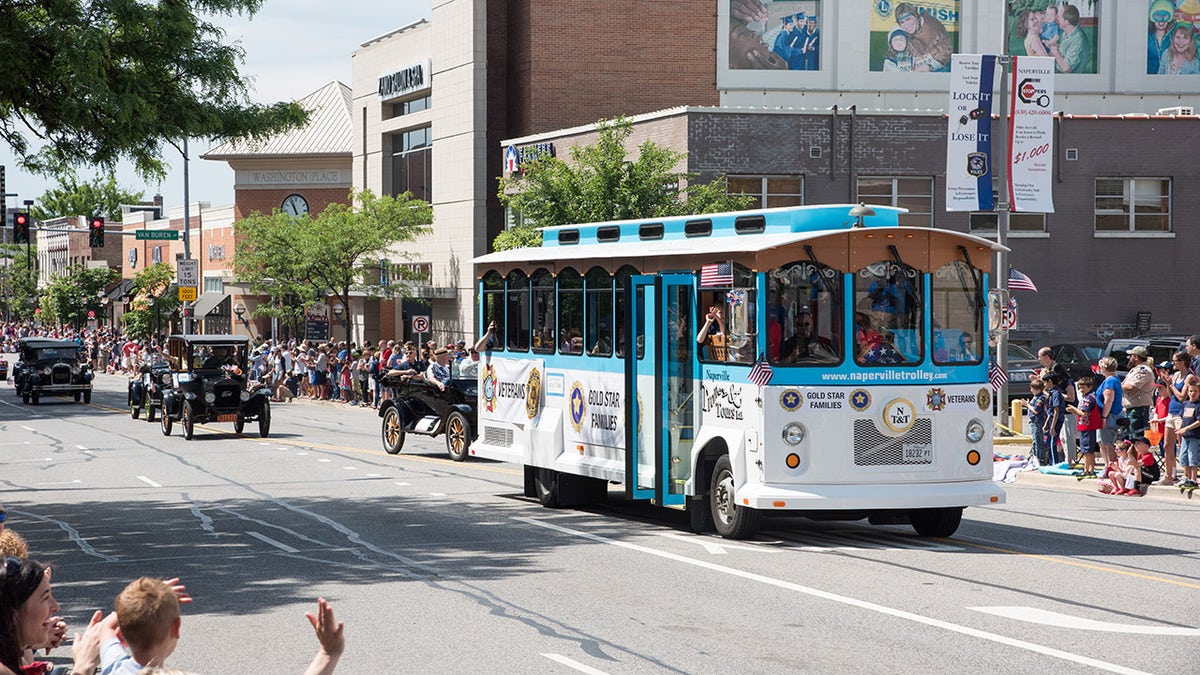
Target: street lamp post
[(338, 310)]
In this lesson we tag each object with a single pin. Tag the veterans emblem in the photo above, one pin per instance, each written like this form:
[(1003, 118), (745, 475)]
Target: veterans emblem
[(899, 415), (984, 398), (488, 390), (790, 400), (936, 399), (578, 406), (533, 393), (860, 399)]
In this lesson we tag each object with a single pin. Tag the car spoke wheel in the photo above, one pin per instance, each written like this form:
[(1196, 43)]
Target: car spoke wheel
[(34, 398), (264, 419), (87, 397), (165, 421), (458, 436), (240, 425), (731, 520), (76, 396), (25, 398), (135, 410), (188, 421), (149, 410), (392, 433)]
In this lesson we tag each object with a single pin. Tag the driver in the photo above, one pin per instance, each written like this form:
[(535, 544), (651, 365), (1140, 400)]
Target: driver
[(438, 372)]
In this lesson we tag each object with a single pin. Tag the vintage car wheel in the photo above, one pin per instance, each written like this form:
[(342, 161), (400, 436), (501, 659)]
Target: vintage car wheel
[(458, 436), (135, 410), (149, 410), (165, 421), (393, 433), (25, 398), (76, 396), (188, 420), (87, 397), (264, 419), (240, 425), (34, 397)]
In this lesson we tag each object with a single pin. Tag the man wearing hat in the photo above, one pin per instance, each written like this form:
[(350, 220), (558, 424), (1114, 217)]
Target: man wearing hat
[(438, 372), (1137, 390), (928, 39)]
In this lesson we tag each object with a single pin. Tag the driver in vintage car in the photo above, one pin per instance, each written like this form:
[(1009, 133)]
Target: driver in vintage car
[(438, 372)]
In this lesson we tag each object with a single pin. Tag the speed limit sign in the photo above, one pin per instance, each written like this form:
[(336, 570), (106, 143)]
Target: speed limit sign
[(420, 323)]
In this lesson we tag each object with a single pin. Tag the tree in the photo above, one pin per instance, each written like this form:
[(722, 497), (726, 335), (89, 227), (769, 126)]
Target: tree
[(601, 184), (69, 297), (18, 281), (98, 197), (97, 81), (152, 304), (336, 252)]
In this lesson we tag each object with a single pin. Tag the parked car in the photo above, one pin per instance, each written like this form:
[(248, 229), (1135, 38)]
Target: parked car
[(208, 384), (419, 407), (1161, 348), (1079, 358), (1022, 364), (145, 390), (51, 367)]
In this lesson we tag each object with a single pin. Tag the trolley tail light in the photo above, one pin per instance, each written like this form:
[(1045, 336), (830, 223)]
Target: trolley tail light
[(973, 457)]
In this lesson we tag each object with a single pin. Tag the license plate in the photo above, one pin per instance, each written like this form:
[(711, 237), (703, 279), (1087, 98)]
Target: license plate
[(227, 418), (1020, 375), (918, 452)]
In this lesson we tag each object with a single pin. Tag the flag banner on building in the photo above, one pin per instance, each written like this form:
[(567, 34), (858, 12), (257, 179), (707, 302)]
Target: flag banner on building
[(1031, 134), (761, 373), (996, 376), (1018, 281), (969, 133), (718, 274)]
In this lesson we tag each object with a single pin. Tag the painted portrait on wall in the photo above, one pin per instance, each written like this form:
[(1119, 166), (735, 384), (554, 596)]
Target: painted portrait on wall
[(775, 35), (1066, 31), (1172, 36), (914, 37)]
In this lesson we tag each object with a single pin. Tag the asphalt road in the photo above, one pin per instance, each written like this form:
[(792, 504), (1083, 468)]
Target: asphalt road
[(444, 567)]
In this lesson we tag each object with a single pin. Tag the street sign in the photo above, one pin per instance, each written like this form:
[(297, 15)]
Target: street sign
[(187, 272), (420, 323), (187, 293), (91, 313), (164, 235)]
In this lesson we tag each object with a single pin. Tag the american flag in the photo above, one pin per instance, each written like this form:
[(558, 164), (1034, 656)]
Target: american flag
[(996, 376), (719, 274), (1018, 281), (761, 373)]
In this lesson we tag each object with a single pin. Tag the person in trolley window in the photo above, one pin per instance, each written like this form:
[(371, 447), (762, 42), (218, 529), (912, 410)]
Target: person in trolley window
[(713, 340)]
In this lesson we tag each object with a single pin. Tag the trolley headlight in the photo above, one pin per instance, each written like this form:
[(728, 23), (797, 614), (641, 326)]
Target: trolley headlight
[(975, 431), (209, 397), (793, 433)]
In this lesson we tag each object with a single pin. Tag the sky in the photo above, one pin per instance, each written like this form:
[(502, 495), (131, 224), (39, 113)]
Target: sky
[(292, 48)]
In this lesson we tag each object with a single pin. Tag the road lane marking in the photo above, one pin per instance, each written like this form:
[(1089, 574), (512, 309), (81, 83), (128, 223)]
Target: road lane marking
[(267, 540), (1048, 618), (1090, 566), (324, 459), (712, 546), (82, 447), (845, 600), (72, 533), (149, 482), (28, 428), (571, 663), (403, 484)]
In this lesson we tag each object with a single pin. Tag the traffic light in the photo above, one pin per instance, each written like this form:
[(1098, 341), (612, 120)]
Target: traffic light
[(20, 228), (96, 232)]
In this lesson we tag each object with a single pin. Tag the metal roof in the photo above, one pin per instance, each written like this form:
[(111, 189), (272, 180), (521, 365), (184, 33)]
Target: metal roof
[(329, 131)]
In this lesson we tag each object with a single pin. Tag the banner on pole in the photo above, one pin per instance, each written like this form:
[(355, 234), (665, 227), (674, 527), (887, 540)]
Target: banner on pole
[(969, 133), (1031, 134)]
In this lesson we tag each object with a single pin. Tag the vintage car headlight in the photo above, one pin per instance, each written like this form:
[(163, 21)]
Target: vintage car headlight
[(209, 397), (793, 433), (245, 396), (47, 371), (975, 431)]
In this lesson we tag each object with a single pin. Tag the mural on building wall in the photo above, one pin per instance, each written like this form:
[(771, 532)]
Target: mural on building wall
[(1064, 31), (913, 36), (774, 35), (1173, 34)]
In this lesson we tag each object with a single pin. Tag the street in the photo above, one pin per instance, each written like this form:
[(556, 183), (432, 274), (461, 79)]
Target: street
[(438, 566)]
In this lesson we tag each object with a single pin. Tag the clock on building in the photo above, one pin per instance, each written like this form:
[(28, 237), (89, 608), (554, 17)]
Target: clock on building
[(295, 205)]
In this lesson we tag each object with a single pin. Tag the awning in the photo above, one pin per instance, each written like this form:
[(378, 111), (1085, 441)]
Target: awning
[(122, 288), (206, 303)]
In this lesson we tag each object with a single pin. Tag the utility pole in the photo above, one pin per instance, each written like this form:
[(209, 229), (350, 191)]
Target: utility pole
[(187, 238), (1004, 61)]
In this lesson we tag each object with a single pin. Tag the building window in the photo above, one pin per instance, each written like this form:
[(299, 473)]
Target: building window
[(214, 285), (914, 193), (1133, 204), (412, 163), (769, 191), (156, 255), (985, 222)]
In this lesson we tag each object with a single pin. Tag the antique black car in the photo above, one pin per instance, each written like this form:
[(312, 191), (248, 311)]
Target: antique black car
[(145, 390), (208, 384), (419, 407), (51, 367)]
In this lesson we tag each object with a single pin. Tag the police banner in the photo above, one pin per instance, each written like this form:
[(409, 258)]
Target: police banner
[(1031, 134), (969, 133)]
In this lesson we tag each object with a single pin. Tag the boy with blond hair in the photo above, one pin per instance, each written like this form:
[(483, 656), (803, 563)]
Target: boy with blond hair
[(147, 621)]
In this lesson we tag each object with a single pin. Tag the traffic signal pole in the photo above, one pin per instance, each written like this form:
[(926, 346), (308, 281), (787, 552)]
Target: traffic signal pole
[(187, 237)]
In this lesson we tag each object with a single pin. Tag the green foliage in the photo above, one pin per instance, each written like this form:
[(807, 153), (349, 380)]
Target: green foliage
[(601, 184), (18, 281), (97, 81), (69, 297), (297, 260), (98, 197), (152, 304)]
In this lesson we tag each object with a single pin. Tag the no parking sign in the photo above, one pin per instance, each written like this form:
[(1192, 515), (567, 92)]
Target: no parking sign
[(420, 323)]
